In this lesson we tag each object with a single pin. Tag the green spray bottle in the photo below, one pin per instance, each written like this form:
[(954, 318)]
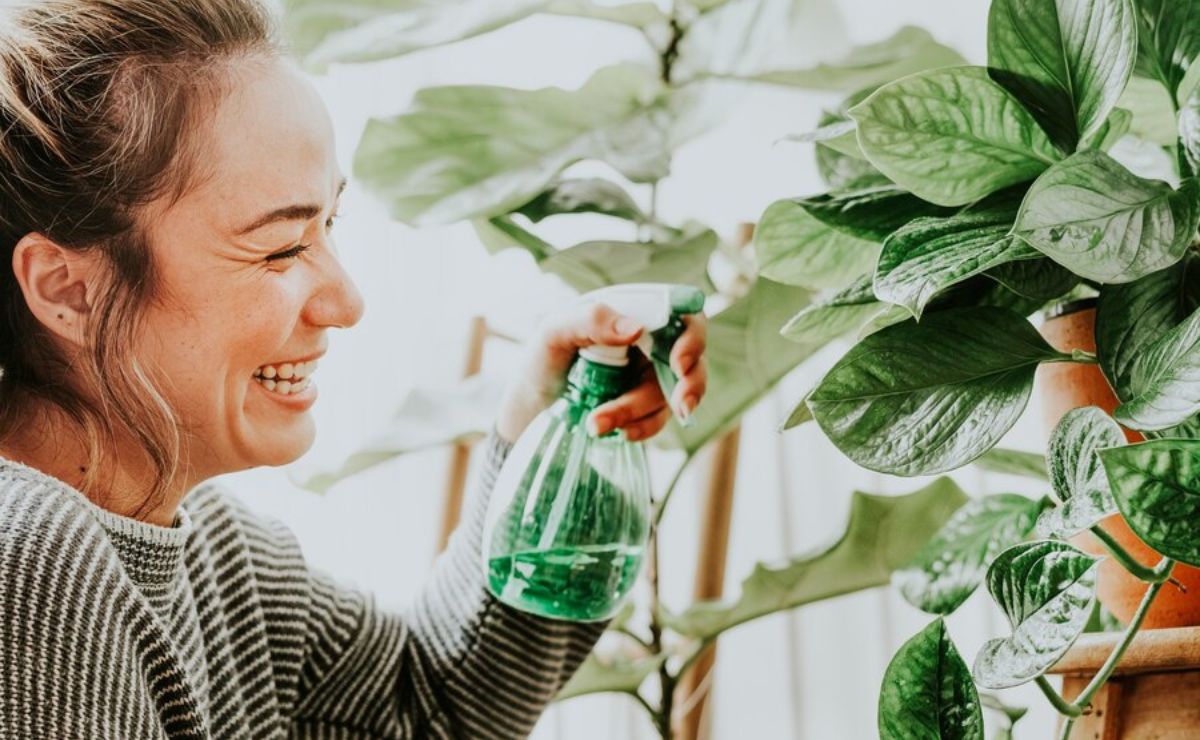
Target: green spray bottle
[(569, 515)]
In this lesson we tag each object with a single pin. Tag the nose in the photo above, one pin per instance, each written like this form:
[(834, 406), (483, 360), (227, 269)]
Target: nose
[(336, 302)]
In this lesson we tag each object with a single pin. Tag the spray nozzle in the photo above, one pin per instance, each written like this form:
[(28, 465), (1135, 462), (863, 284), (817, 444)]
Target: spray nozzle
[(660, 308)]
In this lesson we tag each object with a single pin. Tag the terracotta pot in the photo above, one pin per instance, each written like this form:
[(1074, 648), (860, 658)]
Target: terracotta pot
[(1063, 386)]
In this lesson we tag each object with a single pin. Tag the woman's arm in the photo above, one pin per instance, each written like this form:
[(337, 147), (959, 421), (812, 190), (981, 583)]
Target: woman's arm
[(459, 664)]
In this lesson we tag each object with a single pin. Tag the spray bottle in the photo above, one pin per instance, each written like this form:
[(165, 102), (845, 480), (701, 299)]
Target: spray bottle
[(569, 515)]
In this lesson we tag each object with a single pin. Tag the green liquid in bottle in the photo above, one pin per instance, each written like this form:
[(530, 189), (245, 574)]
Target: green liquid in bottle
[(567, 583)]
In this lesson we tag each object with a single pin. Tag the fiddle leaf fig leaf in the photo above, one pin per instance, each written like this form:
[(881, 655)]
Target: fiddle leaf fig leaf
[(882, 534), (1131, 317), (1068, 62), (795, 248), (1157, 487), (1169, 37), (1076, 473), (1014, 462), (951, 136), (321, 32), (953, 563), (921, 398), (467, 151), (871, 213), (928, 693), (1047, 589), (1166, 381), (598, 674), (1098, 219)]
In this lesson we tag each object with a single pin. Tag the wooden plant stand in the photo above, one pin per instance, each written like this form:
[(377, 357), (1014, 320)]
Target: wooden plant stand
[(1154, 694)]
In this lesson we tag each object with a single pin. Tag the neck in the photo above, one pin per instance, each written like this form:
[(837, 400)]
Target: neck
[(55, 447)]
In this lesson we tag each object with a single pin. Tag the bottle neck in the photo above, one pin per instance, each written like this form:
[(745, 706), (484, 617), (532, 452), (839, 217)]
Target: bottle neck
[(590, 383)]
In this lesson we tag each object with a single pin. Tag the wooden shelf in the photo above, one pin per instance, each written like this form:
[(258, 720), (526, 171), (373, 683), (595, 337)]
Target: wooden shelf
[(1152, 651)]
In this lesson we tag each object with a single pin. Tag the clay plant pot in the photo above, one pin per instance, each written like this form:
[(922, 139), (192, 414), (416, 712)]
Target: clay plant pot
[(1063, 386)]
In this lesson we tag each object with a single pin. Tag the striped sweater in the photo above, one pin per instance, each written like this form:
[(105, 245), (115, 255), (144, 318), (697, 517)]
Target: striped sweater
[(216, 628)]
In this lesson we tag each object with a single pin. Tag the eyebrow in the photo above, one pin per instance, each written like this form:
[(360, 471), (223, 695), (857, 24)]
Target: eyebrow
[(294, 212)]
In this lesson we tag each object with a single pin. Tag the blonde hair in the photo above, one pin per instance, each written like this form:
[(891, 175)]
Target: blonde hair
[(101, 102)]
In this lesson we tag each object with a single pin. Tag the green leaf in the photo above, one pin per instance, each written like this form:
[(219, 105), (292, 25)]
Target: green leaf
[(882, 534), (953, 563), (746, 358), (585, 195), (928, 255), (1076, 473), (1153, 111), (908, 50), (795, 248), (1157, 487), (1040, 279), (1014, 462), (951, 136), (644, 15), (427, 417), (870, 213), (800, 415), (1096, 218), (1166, 381), (1189, 135), (1169, 38), (610, 674), (598, 264), (325, 31), (927, 692), (473, 150), (1067, 61), (920, 398), (844, 312), (1047, 590), (1131, 317), (1115, 126)]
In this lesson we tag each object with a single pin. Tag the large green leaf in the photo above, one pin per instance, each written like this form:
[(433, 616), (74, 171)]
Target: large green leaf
[(846, 311), (951, 136), (1076, 473), (1166, 381), (1157, 487), (1014, 462), (610, 674), (1169, 37), (473, 150), (1093, 216), (746, 358), (882, 534), (583, 195), (598, 264), (1133, 316), (1066, 60), (928, 255), (426, 417), (949, 568), (869, 213), (1047, 590), (908, 50), (927, 692), (1189, 135), (920, 398), (644, 15), (795, 248), (1040, 279)]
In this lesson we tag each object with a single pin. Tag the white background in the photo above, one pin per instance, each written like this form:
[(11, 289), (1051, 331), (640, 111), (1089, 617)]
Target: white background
[(812, 674)]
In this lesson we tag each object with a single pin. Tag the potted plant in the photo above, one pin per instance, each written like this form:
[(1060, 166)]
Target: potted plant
[(514, 173), (964, 200)]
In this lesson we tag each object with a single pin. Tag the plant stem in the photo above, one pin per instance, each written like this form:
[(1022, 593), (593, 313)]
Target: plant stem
[(662, 716), (1127, 561), (1066, 728), (1083, 356), (661, 505), (668, 56), (1063, 706), (1085, 697), (645, 705)]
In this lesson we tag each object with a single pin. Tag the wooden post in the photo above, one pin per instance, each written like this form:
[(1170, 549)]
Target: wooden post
[(1153, 693), (694, 723), (460, 454)]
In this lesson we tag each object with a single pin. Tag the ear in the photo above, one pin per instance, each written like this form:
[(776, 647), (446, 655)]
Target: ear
[(57, 284)]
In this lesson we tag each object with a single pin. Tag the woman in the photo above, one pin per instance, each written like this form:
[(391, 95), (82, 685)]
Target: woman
[(167, 187)]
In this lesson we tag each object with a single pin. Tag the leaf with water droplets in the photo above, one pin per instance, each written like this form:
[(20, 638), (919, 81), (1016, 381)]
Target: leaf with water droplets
[(1157, 487), (1076, 473), (953, 563), (927, 692), (1047, 590)]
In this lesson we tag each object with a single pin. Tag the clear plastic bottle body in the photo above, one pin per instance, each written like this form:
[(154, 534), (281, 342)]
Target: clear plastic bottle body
[(570, 513)]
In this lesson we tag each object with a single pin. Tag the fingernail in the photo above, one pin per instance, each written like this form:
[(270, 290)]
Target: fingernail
[(626, 326), (686, 408)]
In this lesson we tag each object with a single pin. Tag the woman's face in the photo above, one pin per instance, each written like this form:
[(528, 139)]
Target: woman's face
[(238, 299)]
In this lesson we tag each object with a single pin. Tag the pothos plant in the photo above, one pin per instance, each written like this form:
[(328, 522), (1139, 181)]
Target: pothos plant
[(962, 201), (499, 158)]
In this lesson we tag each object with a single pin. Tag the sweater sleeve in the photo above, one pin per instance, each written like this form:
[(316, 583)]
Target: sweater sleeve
[(458, 664)]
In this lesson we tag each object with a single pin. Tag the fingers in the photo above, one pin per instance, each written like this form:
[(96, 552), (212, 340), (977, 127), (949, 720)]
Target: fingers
[(587, 324), (691, 388), (644, 400), (647, 426), (689, 348)]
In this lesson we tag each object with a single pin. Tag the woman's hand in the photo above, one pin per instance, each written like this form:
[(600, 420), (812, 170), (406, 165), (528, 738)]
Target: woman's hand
[(642, 412)]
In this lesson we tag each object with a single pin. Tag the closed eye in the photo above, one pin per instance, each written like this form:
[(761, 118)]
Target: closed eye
[(292, 253)]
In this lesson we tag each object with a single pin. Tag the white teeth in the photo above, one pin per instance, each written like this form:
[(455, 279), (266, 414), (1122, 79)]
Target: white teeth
[(283, 387), (286, 370), (269, 384), (268, 372), (292, 371)]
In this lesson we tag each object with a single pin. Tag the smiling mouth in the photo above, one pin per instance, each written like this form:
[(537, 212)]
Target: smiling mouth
[(286, 378)]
